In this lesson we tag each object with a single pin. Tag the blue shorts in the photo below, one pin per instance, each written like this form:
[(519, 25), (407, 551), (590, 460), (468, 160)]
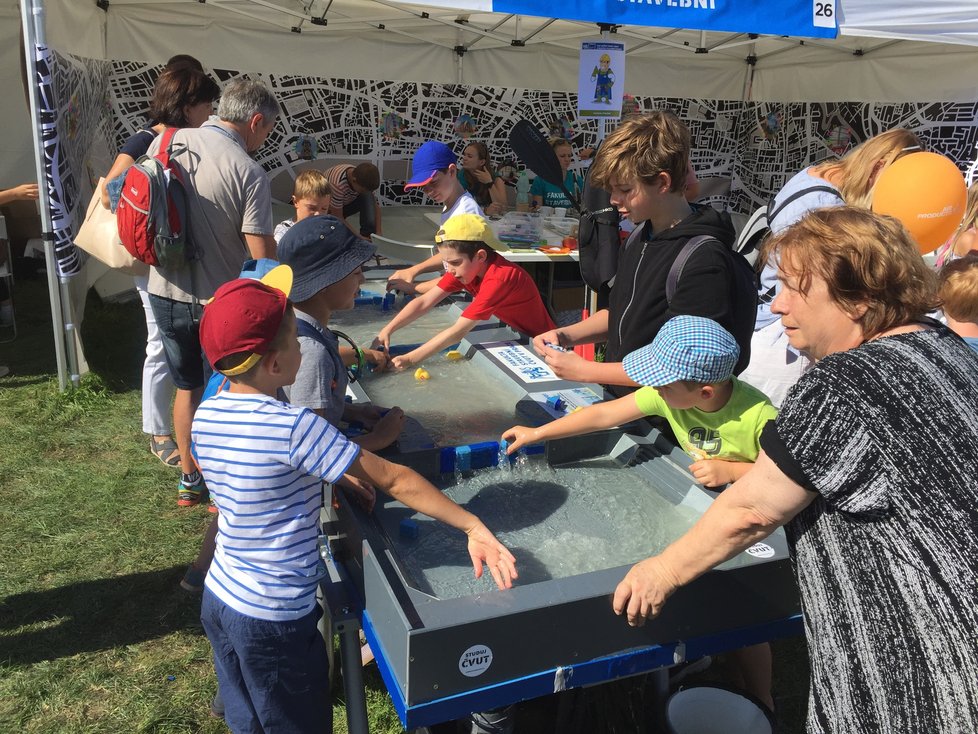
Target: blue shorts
[(273, 676), (179, 325)]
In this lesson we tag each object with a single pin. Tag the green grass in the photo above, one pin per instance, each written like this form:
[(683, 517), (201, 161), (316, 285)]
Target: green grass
[(95, 633)]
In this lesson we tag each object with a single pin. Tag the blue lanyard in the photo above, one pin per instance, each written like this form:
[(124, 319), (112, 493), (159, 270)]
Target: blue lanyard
[(226, 133)]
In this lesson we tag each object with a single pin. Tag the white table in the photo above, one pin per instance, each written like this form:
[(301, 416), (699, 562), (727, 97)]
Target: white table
[(552, 238)]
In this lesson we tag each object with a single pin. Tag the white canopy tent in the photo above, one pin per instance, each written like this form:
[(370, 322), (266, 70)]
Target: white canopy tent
[(382, 39), (387, 40)]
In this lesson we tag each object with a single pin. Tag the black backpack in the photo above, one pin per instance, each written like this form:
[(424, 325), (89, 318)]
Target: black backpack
[(745, 292), (598, 240)]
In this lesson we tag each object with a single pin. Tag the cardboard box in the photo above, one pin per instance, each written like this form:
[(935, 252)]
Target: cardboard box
[(23, 223), (568, 299)]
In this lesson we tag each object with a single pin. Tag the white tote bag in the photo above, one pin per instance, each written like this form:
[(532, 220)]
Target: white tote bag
[(99, 237)]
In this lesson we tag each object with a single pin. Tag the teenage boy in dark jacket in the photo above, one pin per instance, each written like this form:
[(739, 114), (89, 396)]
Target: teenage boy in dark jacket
[(644, 165)]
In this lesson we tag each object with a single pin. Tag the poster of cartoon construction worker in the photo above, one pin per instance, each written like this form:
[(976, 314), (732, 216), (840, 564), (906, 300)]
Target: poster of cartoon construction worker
[(601, 79)]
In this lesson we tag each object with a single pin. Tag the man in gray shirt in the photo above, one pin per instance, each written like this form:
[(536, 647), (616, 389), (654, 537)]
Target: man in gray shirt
[(229, 214)]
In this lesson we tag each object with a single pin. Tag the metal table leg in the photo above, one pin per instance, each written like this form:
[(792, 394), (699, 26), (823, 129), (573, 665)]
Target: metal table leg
[(356, 699)]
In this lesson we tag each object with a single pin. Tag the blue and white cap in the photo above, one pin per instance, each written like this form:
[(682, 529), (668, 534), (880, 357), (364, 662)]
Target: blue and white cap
[(686, 348)]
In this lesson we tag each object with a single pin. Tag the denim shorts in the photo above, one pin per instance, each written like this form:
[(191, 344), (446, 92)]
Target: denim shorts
[(179, 325), (273, 676)]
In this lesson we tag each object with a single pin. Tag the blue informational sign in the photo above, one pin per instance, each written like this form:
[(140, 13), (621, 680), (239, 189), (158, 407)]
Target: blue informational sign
[(807, 18)]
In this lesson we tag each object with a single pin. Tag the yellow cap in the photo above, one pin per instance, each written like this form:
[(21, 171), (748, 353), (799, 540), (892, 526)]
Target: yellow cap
[(469, 228)]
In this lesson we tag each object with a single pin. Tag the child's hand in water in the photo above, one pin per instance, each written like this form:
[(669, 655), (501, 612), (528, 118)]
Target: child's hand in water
[(517, 437), (485, 549), (388, 428), (377, 358), (402, 362)]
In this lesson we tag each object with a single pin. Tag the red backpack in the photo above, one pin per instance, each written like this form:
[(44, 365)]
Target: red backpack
[(152, 211)]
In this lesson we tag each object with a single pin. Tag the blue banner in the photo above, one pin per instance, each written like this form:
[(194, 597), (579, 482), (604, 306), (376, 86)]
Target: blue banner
[(806, 18)]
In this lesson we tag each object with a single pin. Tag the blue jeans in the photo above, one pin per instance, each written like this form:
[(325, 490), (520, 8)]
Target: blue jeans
[(179, 325), (273, 676)]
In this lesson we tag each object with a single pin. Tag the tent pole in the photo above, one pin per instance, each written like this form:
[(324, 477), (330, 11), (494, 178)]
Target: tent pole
[(751, 62), (32, 16)]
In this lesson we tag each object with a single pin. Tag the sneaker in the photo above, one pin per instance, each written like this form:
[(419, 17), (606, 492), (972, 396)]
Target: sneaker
[(211, 505), (193, 580), (217, 706), (189, 495)]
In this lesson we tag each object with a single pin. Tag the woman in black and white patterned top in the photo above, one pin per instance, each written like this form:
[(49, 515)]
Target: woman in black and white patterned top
[(872, 467)]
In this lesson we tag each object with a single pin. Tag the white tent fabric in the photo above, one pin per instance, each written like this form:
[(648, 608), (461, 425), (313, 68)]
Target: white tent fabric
[(945, 21), (379, 39)]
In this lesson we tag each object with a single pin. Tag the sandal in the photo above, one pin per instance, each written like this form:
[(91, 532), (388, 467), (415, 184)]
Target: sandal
[(165, 450)]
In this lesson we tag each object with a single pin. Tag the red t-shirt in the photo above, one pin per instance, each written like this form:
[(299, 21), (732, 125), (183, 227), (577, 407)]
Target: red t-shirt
[(507, 292)]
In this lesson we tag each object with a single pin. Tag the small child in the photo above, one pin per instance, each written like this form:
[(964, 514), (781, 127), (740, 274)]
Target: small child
[(435, 171), (326, 259), (717, 419), (958, 291), (310, 196), (259, 607), (501, 289)]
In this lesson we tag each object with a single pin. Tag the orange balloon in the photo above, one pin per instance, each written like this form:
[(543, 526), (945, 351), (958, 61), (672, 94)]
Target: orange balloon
[(926, 192)]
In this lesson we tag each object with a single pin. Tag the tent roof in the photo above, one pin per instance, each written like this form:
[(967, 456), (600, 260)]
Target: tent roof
[(383, 39), (387, 40)]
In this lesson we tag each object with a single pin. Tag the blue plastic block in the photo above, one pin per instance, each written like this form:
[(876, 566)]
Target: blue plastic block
[(484, 454), (463, 458), (555, 402), (446, 460), (409, 528), (388, 302)]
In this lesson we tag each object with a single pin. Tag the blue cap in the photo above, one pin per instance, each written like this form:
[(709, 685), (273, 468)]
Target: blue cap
[(321, 251), (686, 348), (258, 269), (428, 160)]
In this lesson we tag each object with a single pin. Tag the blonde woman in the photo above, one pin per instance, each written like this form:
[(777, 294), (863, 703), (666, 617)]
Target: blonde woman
[(774, 365)]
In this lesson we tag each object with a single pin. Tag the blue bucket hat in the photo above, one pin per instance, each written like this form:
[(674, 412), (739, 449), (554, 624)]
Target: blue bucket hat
[(321, 251), (428, 160), (686, 348)]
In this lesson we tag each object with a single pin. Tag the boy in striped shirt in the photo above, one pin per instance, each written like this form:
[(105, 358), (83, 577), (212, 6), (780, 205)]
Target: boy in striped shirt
[(264, 460)]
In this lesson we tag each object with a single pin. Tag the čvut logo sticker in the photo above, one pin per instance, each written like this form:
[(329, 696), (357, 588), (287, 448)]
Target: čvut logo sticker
[(475, 661), (761, 550)]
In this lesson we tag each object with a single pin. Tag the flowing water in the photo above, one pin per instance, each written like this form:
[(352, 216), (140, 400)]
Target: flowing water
[(557, 522)]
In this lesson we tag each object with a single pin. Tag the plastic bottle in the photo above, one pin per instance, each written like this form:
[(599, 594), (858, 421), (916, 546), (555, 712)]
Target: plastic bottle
[(522, 192)]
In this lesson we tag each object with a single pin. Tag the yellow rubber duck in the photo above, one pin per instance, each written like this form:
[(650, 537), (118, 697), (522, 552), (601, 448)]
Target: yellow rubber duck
[(453, 356), (421, 374)]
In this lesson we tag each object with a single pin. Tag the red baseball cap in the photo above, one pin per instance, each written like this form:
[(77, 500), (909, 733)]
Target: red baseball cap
[(244, 316)]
